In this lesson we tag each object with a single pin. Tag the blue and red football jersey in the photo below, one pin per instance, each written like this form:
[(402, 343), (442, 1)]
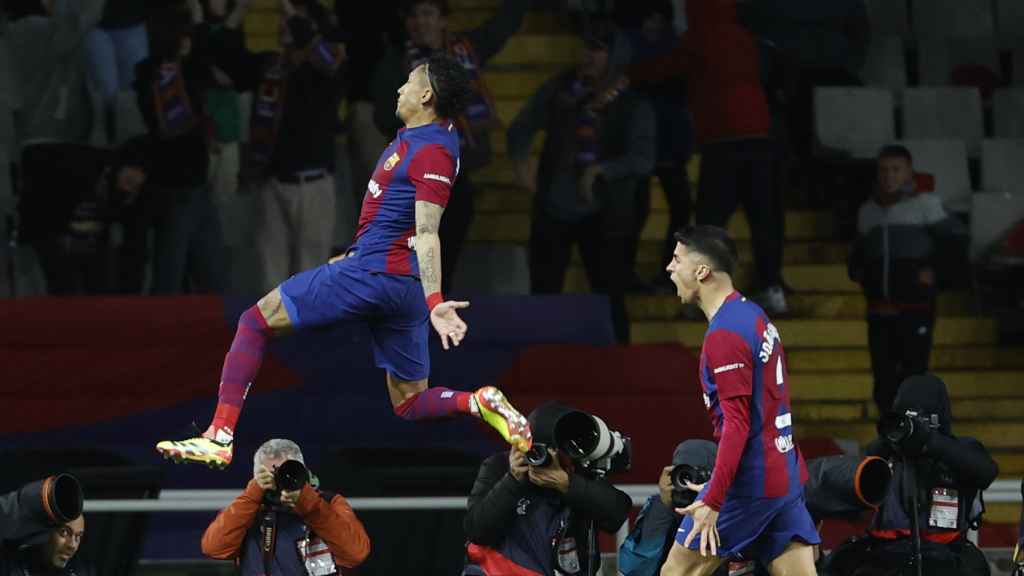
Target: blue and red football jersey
[(742, 365), (419, 164)]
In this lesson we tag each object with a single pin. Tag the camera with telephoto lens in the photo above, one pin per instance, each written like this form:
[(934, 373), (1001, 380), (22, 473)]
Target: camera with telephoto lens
[(896, 428), (587, 440), (682, 496)]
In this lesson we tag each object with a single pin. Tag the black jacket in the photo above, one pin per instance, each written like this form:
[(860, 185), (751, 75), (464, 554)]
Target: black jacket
[(895, 242), (25, 524), (939, 460), (309, 121), (498, 499), (181, 161)]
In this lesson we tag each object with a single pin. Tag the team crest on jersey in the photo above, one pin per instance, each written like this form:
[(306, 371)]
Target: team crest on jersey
[(391, 161)]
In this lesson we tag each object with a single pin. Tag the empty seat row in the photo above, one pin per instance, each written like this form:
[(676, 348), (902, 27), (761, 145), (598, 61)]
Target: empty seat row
[(859, 121), (942, 18)]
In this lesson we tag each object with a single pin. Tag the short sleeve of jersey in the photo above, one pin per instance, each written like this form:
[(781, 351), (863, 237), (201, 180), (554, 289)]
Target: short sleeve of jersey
[(432, 172), (729, 359)]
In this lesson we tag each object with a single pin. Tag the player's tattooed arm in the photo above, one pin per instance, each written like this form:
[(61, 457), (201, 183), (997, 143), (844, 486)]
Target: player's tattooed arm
[(428, 245)]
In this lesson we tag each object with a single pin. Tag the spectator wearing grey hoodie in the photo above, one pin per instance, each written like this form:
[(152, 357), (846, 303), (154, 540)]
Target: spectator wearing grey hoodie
[(902, 237), (600, 144)]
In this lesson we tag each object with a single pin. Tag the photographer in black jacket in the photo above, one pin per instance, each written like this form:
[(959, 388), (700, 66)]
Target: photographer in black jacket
[(41, 527), (524, 517), (942, 472)]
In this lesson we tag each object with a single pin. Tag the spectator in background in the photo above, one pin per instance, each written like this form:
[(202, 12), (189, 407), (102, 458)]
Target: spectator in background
[(379, 26), (47, 43), (313, 532), (600, 143), (296, 94), (426, 25), (223, 106), (902, 238), (654, 36), (73, 197), (113, 48), (732, 124), (826, 44), (170, 86)]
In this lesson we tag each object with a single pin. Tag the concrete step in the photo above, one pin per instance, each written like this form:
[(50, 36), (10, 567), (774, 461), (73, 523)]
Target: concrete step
[(535, 50), (830, 278), (942, 358), (517, 84), (994, 385), (1002, 513), (994, 435), (535, 23), (822, 334), (801, 304), (1011, 463), (964, 410), (515, 226), (501, 173)]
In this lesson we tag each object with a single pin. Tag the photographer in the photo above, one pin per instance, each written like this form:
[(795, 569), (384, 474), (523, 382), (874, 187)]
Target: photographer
[(282, 507), (936, 471), (647, 546), (537, 518), (41, 528)]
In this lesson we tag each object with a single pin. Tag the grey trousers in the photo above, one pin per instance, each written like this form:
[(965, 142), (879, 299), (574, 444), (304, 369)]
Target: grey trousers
[(294, 227)]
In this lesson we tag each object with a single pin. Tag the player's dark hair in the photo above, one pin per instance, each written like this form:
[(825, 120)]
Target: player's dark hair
[(713, 243), (449, 83), (896, 151)]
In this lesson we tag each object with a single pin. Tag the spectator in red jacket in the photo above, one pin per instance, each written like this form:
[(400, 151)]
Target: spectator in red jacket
[(732, 125)]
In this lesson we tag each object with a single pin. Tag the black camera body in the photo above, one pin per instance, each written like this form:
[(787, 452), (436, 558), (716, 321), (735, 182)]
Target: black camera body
[(682, 496), (898, 428), (538, 455), (289, 476)]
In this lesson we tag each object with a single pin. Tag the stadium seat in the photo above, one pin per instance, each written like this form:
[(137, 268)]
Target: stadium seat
[(947, 161), (128, 121), (885, 64), (1008, 113), (993, 214), (858, 121), (1002, 166), (889, 17), (941, 113), (941, 18), (960, 61)]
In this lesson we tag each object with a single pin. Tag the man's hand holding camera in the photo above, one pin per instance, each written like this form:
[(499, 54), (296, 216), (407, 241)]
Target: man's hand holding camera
[(551, 475), (665, 486), (265, 480)]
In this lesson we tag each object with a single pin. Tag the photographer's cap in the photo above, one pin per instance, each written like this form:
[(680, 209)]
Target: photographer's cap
[(697, 453)]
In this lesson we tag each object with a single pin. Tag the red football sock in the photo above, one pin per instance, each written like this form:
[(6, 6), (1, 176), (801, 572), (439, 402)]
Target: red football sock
[(434, 403), (241, 364)]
